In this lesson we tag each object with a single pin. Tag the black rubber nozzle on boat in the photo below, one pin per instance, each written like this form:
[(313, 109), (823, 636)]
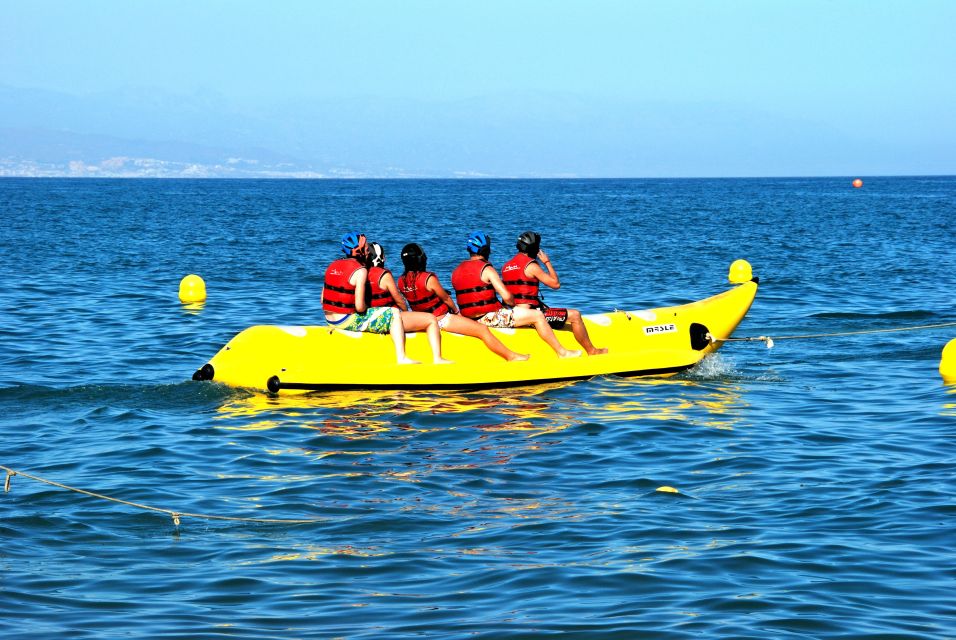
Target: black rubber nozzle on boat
[(206, 372), (273, 384)]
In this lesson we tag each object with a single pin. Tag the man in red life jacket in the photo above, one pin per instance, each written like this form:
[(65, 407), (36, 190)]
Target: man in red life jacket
[(382, 292), (476, 282), (522, 275), (424, 293), (343, 298)]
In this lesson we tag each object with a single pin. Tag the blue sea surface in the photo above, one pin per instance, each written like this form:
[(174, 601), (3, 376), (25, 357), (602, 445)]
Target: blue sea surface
[(816, 480)]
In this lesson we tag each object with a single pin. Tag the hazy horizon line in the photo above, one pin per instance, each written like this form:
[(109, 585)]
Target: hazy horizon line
[(477, 178)]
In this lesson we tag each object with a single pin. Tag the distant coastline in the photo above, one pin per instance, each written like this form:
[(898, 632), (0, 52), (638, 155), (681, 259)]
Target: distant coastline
[(233, 168)]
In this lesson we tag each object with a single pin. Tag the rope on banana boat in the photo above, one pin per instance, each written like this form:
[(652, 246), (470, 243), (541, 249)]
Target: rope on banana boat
[(770, 341)]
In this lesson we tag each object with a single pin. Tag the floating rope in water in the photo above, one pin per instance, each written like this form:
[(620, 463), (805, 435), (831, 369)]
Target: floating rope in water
[(770, 340), (175, 515)]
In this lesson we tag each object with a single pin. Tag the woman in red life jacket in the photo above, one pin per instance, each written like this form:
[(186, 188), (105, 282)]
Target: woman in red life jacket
[(382, 292), (476, 282), (521, 276), (424, 293), (343, 298)]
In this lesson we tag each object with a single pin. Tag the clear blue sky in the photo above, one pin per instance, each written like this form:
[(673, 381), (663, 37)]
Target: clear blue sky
[(881, 72)]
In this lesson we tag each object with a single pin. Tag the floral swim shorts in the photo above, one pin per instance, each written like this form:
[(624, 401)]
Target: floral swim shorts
[(374, 320), (503, 318)]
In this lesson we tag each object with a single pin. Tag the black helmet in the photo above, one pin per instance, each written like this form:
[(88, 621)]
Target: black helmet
[(529, 242), (413, 257), (376, 254)]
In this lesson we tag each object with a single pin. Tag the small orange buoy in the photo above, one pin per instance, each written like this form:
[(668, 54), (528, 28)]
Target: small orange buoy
[(857, 183)]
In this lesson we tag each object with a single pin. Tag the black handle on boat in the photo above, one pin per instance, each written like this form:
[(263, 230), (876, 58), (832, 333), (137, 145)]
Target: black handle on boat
[(273, 384), (206, 372), (699, 336)]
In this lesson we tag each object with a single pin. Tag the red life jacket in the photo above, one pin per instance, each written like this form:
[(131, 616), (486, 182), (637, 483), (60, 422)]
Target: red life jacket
[(523, 287), (475, 297), (338, 294), (379, 297), (420, 298)]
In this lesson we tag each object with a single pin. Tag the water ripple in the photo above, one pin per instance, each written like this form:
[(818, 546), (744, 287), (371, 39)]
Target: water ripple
[(814, 484)]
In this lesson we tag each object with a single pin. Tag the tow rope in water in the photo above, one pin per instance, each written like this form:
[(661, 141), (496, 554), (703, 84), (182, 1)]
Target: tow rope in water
[(770, 340), (175, 515)]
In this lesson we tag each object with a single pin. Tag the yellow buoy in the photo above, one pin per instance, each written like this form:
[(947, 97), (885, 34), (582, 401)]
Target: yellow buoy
[(192, 289), (667, 490), (947, 364), (740, 272)]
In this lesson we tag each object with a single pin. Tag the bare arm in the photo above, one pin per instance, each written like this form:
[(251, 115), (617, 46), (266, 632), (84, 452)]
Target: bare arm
[(358, 281), (490, 276), (388, 283), (433, 285), (549, 278)]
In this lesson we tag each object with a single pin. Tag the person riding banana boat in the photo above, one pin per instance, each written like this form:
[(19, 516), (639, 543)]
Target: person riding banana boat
[(522, 276)]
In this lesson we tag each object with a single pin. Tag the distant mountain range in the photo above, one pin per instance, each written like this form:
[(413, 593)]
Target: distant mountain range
[(45, 133), (149, 133)]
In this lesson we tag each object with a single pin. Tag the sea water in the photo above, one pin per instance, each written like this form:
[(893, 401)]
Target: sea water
[(815, 480)]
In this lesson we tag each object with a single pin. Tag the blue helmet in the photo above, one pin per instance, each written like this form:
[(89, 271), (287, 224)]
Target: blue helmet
[(354, 244), (480, 243)]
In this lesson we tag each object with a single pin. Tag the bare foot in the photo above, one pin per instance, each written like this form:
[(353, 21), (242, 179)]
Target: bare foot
[(597, 352), (407, 360), (517, 357), (569, 354), (443, 361)]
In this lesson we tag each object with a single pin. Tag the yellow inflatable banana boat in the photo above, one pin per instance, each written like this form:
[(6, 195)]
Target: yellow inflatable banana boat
[(653, 342)]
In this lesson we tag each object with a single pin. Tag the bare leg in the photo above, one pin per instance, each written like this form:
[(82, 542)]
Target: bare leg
[(398, 337), (581, 333), (418, 321), (524, 317), (468, 327)]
